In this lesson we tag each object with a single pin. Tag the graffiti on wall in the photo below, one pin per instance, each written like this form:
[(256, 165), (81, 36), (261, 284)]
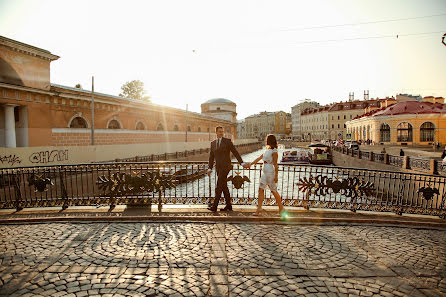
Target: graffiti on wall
[(45, 157), (11, 160)]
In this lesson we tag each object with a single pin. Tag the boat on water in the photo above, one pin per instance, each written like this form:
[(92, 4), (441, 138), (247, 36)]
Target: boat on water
[(320, 154), (296, 157), (189, 174)]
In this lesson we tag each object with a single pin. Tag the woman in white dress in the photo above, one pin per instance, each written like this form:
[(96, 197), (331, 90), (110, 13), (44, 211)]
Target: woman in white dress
[(270, 174)]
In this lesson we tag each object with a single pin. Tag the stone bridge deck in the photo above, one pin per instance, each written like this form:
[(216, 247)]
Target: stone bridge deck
[(245, 257)]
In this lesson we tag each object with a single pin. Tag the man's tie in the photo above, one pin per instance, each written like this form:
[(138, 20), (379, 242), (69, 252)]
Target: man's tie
[(218, 143)]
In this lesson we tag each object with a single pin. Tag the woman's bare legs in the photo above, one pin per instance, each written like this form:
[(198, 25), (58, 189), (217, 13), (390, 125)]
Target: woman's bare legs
[(278, 201), (260, 202)]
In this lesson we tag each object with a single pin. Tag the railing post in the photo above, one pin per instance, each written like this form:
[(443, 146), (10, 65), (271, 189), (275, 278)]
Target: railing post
[(176, 155), (359, 154), (137, 158), (386, 159), (185, 153), (406, 162), (165, 156), (353, 152), (371, 156), (152, 157), (433, 167)]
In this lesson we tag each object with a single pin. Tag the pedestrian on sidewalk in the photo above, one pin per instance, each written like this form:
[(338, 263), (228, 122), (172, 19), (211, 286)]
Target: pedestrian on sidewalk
[(220, 152), (270, 175)]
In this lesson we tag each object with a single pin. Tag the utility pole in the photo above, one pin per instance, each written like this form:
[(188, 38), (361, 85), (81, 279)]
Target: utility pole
[(92, 110), (186, 121)]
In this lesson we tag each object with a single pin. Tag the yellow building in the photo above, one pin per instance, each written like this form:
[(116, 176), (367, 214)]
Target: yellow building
[(404, 122)]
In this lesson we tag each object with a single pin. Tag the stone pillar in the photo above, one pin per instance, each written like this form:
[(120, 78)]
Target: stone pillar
[(22, 129), (386, 159), (371, 156), (406, 162), (10, 137), (433, 167)]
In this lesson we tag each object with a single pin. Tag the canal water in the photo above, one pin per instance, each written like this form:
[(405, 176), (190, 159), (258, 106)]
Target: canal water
[(205, 186)]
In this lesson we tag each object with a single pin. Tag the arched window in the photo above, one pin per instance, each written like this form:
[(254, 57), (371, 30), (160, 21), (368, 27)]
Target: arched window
[(208, 129), (427, 132), (384, 133), (188, 129), (175, 128), (199, 129), (140, 126), (160, 127), (114, 124), (404, 132), (78, 122)]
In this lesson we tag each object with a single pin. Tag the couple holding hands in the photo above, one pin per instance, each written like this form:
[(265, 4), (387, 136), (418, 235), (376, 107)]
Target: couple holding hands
[(220, 152)]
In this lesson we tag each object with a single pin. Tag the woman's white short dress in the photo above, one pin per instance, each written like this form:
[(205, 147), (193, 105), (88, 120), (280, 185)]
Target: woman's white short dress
[(267, 178)]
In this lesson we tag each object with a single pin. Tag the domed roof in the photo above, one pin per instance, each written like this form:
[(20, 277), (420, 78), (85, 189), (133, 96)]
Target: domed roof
[(218, 100)]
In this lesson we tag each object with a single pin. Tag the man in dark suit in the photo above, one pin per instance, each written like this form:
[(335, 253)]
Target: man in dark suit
[(220, 152)]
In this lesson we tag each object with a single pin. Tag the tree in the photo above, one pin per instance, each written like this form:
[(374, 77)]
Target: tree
[(78, 86), (135, 90)]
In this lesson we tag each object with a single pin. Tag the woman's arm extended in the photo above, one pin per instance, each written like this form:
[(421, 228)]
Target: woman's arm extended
[(257, 160)]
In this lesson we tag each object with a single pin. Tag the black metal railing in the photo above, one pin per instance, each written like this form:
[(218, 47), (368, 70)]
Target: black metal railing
[(187, 183)]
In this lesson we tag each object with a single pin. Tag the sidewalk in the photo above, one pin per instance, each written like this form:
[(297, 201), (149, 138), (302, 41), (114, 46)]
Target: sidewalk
[(188, 213)]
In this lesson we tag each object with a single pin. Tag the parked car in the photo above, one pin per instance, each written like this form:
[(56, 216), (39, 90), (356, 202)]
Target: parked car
[(353, 146)]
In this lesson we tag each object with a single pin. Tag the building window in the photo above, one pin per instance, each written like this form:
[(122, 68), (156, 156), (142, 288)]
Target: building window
[(339, 126), (404, 132), (345, 126), (218, 108), (199, 129), (78, 122), (208, 129), (384, 133), (175, 128), (332, 126), (345, 116), (427, 132), (350, 117), (339, 118), (140, 126), (114, 124), (188, 129), (160, 127)]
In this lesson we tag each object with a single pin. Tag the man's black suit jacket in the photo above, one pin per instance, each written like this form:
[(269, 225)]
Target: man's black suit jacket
[(222, 155)]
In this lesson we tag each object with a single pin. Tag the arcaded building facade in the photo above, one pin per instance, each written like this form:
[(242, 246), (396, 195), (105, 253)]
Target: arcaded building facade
[(36, 112)]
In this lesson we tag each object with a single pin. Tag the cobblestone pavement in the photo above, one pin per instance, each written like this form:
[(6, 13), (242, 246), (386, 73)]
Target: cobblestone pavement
[(199, 259)]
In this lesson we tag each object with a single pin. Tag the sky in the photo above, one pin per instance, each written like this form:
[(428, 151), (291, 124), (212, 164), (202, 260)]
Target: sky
[(263, 55)]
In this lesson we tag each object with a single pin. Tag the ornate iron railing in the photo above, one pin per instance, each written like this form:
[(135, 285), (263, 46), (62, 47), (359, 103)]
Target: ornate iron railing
[(365, 155), (419, 164), (378, 157), (187, 183), (396, 161)]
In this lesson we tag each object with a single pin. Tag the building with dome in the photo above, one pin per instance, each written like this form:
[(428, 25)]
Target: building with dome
[(220, 108), (409, 121), (34, 112)]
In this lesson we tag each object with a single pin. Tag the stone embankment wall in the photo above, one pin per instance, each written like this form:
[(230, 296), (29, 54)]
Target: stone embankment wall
[(50, 155), (348, 158)]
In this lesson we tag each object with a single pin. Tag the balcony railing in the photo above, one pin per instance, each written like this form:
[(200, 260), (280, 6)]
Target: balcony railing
[(187, 183)]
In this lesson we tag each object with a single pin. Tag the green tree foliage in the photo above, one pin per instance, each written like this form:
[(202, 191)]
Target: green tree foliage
[(135, 90)]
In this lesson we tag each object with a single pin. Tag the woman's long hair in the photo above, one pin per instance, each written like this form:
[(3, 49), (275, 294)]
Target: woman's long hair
[(271, 141)]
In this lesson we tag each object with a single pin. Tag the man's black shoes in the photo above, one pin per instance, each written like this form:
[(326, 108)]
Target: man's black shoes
[(227, 208), (212, 209)]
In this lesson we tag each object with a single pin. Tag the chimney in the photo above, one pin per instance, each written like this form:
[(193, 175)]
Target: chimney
[(366, 95), (351, 96)]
